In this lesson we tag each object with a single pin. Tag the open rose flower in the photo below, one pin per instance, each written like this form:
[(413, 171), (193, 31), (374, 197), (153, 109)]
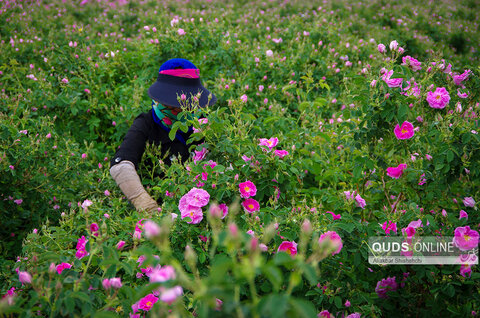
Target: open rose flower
[(414, 64), (465, 238), (194, 213), (469, 202), (288, 247), (61, 267), (392, 82), (147, 302), (438, 99), (389, 226), (458, 79), (270, 143), (251, 205), (405, 131), (247, 189), (396, 172)]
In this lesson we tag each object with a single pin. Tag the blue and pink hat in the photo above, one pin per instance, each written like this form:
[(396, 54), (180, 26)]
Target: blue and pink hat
[(177, 77)]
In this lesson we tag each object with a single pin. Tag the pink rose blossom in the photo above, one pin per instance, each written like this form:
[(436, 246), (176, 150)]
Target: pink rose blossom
[(438, 99), (61, 267), (381, 48), (151, 229), (465, 238), (120, 245), (194, 213), (244, 98), (333, 239), (389, 226), (463, 214), (106, 284), (360, 201), (24, 277), (196, 197), (247, 189), (469, 202), (81, 251), (334, 216), (281, 153), (147, 302), (116, 282), (466, 270), (414, 64), (181, 32), (405, 131), (396, 172), (270, 143), (458, 79), (385, 285), (94, 229), (160, 275), (288, 247), (392, 82), (170, 295), (251, 205), (393, 45)]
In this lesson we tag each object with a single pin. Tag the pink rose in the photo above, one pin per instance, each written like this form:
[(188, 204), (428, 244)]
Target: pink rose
[(405, 131), (281, 153), (251, 205), (61, 267), (288, 247), (147, 302), (247, 189), (170, 295), (469, 202), (438, 99), (333, 239), (465, 238), (396, 172)]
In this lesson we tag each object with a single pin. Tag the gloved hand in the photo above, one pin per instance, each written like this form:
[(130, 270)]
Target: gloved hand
[(127, 179)]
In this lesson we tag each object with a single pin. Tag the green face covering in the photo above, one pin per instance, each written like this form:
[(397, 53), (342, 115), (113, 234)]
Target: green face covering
[(167, 116)]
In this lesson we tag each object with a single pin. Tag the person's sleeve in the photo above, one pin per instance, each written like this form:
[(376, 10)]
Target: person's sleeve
[(127, 179), (133, 145)]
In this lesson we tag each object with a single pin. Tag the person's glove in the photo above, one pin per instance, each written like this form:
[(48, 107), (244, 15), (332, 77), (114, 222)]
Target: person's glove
[(127, 179)]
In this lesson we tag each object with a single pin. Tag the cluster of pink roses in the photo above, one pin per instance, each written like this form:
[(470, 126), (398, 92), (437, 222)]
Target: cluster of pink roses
[(190, 205), (270, 144), (81, 251), (247, 190), (355, 196), (167, 295)]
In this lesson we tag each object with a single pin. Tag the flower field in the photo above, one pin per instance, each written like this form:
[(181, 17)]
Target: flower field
[(336, 121)]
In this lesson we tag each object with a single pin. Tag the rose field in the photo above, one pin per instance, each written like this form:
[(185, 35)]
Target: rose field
[(336, 122)]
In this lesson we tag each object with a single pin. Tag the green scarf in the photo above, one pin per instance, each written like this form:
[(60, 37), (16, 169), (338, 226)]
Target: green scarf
[(167, 116)]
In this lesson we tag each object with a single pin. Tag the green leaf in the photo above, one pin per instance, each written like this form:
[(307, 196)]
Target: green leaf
[(304, 106), (348, 227), (274, 305), (105, 314), (301, 308), (274, 275), (82, 296), (338, 301), (450, 155)]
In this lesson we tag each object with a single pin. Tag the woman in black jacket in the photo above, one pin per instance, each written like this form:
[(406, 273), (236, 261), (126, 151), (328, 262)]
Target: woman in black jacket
[(178, 82)]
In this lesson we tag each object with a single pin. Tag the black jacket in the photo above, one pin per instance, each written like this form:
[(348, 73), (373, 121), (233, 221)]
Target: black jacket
[(143, 130)]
